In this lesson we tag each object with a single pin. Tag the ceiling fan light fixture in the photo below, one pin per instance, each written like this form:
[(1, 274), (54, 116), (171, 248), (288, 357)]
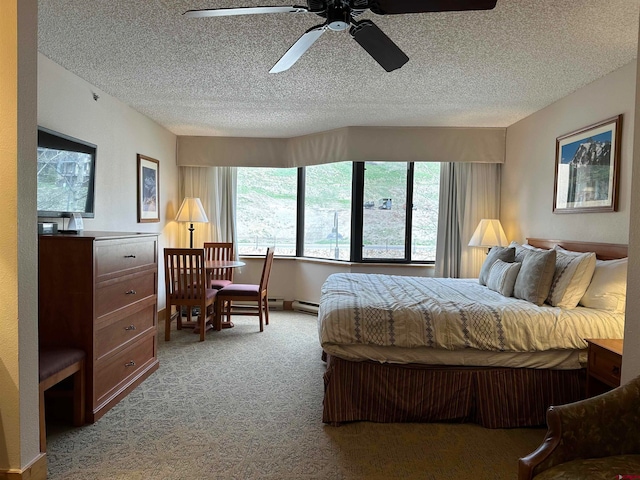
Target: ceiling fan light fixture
[(338, 26)]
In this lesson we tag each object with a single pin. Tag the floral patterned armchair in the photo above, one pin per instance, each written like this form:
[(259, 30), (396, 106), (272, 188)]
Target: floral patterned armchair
[(597, 438)]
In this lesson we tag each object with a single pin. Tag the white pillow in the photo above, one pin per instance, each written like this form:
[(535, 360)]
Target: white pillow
[(502, 277), (571, 278), (608, 287)]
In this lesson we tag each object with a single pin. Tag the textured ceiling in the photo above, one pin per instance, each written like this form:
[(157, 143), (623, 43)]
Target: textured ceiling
[(209, 76)]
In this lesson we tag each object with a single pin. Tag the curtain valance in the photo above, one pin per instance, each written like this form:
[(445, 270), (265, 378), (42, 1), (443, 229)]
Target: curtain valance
[(402, 144)]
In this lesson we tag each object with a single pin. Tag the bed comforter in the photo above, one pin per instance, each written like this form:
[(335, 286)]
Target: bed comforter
[(450, 314)]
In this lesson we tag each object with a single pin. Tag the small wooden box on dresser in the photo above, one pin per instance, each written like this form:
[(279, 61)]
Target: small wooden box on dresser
[(98, 291)]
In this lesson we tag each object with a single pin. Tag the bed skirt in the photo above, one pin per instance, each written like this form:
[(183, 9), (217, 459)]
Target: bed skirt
[(491, 397)]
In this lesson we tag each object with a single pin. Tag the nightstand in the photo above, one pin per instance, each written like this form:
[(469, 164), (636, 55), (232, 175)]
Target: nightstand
[(603, 365)]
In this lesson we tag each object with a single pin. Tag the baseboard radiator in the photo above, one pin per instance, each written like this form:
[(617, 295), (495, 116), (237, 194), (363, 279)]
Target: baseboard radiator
[(276, 303), (306, 307)]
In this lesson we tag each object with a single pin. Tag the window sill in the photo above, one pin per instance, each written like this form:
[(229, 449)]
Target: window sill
[(328, 261)]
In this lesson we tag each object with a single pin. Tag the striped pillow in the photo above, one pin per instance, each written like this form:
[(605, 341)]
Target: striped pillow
[(505, 254), (502, 277), (535, 276), (571, 278)]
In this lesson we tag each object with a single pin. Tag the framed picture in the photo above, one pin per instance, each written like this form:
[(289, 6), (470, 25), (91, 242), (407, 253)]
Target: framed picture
[(148, 189), (587, 168)]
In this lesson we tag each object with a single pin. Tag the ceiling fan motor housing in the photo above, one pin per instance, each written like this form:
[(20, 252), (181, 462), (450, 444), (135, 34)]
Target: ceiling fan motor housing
[(338, 16)]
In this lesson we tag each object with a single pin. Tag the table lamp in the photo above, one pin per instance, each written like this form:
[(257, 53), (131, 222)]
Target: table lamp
[(489, 233), (191, 211)]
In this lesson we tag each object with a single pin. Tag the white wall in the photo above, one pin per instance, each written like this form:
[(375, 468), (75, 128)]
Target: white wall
[(631, 358), (66, 105), (528, 172), (528, 176)]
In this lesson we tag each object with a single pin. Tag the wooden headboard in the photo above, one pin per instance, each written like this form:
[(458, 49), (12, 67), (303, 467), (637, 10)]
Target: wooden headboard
[(603, 251)]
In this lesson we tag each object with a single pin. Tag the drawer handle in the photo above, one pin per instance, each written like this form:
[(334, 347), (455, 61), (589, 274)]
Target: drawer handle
[(129, 256), (130, 364), (130, 292), (616, 370), (130, 327)]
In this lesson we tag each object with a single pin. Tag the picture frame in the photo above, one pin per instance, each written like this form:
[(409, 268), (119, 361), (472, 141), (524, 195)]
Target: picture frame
[(587, 168), (148, 189)]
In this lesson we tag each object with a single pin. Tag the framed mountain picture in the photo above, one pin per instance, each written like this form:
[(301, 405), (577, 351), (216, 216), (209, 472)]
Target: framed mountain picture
[(588, 168), (148, 189)]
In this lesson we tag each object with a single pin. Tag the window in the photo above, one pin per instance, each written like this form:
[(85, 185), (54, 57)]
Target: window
[(266, 210), (384, 216), (424, 215), (372, 211), (327, 211), (400, 203)]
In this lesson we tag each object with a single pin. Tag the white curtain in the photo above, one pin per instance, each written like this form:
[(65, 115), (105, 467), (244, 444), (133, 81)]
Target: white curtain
[(469, 192), (216, 189)]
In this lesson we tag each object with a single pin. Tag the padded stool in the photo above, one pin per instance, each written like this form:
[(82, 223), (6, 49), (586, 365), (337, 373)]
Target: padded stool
[(56, 364)]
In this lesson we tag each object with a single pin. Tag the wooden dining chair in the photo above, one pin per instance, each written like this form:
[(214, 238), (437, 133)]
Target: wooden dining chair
[(186, 286), (219, 277), (242, 292)]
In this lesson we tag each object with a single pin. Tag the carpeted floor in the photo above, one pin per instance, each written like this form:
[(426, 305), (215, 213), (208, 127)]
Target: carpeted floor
[(247, 405)]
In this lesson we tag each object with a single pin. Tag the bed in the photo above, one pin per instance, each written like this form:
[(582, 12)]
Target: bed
[(416, 349)]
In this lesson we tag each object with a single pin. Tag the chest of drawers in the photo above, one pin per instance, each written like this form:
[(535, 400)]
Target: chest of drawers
[(98, 291)]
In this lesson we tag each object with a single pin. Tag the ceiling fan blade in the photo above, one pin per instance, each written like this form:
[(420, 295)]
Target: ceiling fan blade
[(392, 7), (378, 45), (223, 12), (297, 49)]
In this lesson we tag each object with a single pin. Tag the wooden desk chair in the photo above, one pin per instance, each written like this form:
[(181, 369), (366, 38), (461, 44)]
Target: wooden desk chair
[(219, 277), (56, 364), (245, 292), (186, 286)]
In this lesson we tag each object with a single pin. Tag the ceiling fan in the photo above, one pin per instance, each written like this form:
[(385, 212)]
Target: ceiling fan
[(340, 15)]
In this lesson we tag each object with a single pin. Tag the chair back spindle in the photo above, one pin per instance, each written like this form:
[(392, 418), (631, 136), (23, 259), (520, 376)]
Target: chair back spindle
[(186, 284), (219, 251)]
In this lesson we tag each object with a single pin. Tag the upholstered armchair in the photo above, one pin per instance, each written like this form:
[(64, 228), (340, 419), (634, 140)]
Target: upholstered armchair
[(597, 438)]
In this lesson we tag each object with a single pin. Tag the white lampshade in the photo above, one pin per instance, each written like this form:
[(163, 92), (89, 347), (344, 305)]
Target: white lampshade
[(192, 211), (489, 234)]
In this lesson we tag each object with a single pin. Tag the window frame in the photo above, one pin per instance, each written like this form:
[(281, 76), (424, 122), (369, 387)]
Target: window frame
[(357, 224), (357, 219)]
